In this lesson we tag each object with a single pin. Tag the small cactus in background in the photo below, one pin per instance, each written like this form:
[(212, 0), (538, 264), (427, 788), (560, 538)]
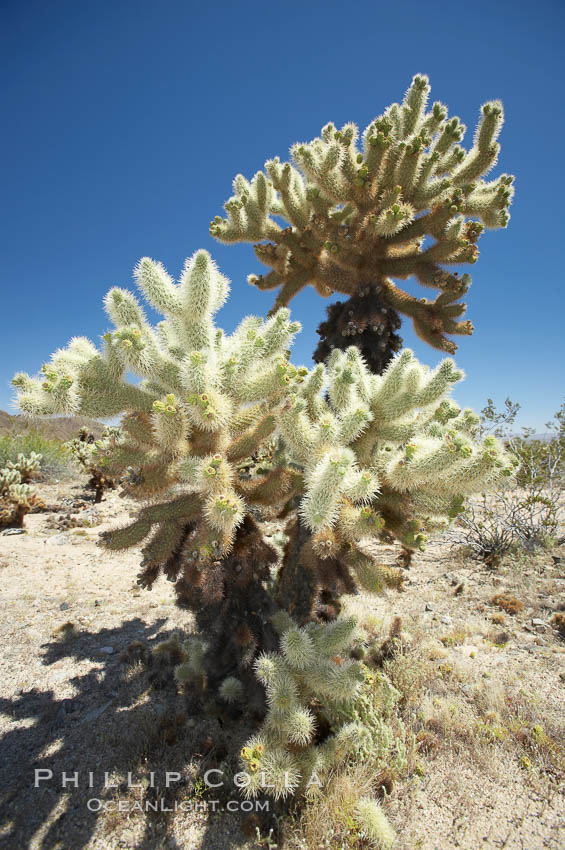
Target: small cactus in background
[(410, 201), (17, 496), (28, 466), (94, 456)]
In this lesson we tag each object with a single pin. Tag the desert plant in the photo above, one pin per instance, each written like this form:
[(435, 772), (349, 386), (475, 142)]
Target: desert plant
[(540, 481), (28, 466), (222, 430), (527, 511), (507, 603), (323, 707), (542, 459), (17, 496), (363, 455), (54, 458), (497, 523), (486, 528), (381, 455), (94, 456), (206, 402), (410, 202)]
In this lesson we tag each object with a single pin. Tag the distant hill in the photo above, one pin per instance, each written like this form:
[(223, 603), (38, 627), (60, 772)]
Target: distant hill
[(57, 427)]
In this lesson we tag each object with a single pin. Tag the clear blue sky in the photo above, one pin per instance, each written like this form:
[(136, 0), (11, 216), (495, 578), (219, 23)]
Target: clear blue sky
[(125, 122)]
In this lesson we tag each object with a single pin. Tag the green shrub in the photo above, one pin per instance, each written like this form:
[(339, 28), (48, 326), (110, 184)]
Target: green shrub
[(55, 461)]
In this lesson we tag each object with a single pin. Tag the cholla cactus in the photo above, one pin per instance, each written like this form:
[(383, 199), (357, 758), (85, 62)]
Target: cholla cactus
[(409, 202), (381, 454), (372, 821), (94, 457), (322, 706), (17, 497), (311, 666), (29, 467), (206, 403), (378, 455)]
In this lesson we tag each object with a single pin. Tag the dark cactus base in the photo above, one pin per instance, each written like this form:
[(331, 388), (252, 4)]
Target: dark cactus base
[(364, 321)]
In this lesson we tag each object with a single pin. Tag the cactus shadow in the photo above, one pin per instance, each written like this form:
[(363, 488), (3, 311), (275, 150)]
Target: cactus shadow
[(121, 718)]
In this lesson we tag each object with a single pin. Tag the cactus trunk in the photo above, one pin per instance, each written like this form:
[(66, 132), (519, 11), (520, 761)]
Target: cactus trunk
[(366, 321)]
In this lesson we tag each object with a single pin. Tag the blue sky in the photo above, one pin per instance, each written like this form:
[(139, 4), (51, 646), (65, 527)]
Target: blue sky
[(125, 122)]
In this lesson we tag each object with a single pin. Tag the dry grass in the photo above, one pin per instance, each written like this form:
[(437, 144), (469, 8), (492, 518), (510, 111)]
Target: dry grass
[(327, 821)]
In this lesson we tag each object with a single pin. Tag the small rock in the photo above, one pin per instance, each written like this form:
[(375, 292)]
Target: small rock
[(107, 650), (446, 620), (64, 606), (562, 676), (429, 607), (537, 622), (9, 532), (66, 707), (58, 539)]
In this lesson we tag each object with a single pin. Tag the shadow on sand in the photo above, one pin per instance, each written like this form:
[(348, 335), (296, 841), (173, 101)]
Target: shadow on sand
[(124, 716)]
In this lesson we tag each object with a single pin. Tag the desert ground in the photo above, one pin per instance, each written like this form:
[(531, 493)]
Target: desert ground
[(483, 696)]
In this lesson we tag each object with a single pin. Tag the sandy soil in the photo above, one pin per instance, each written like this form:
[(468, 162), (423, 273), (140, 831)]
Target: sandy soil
[(70, 703)]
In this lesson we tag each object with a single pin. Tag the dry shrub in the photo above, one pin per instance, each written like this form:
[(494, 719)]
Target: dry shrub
[(449, 719), (508, 603), (65, 631), (427, 742), (457, 637), (326, 821), (409, 672), (489, 698), (558, 623)]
